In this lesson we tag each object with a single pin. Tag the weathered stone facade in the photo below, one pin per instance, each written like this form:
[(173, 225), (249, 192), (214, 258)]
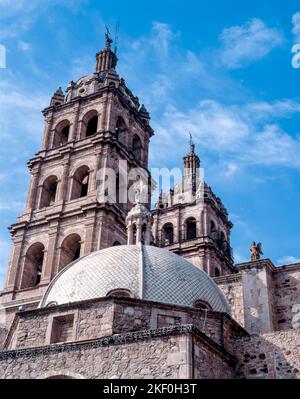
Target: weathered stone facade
[(94, 127), (123, 338), (120, 334)]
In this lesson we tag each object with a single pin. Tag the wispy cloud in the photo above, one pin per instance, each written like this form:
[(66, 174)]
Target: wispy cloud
[(288, 260), (18, 16), (235, 133), (250, 42), (296, 27)]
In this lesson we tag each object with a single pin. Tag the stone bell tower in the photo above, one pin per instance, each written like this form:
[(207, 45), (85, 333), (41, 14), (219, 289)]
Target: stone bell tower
[(191, 221), (97, 124)]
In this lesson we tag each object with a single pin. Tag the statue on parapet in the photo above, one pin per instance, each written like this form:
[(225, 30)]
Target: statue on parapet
[(256, 251)]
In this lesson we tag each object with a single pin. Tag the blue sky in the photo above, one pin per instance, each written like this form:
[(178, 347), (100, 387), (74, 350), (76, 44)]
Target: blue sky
[(220, 69)]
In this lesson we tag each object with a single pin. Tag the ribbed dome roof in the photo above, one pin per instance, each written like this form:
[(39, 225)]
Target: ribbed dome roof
[(150, 273)]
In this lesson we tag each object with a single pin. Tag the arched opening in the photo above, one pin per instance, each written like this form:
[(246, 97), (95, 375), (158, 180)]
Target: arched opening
[(121, 130), (70, 250), (168, 234), (80, 186), (203, 305), (61, 134), (116, 244), (120, 293), (191, 229), (212, 226), (217, 272), (137, 147), (90, 124), (33, 266), (49, 190)]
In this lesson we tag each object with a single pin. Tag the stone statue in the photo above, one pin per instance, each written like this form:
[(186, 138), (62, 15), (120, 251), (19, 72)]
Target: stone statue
[(256, 251)]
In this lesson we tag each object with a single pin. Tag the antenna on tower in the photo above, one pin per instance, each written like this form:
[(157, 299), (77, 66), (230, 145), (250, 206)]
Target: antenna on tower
[(117, 35)]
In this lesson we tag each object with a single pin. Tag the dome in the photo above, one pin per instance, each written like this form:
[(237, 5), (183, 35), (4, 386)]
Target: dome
[(148, 272)]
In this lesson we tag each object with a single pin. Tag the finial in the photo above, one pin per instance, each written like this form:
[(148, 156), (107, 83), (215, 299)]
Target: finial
[(192, 145), (108, 39)]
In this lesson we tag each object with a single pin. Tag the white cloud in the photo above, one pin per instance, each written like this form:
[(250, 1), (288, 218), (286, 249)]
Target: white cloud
[(296, 27), (244, 44), (11, 206), (288, 260), (18, 16), (24, 46), (235, 132)]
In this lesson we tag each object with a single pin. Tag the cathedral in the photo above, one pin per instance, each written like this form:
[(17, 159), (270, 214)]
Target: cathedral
[(112, 289)]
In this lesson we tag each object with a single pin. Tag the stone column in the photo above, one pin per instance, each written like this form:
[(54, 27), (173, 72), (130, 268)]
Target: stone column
[(31, 196), (148, 235), (47, 272), (89, 233), (74, 134), (64, 180), (14, 264), (47, 131), (138, 233), (130, 234)]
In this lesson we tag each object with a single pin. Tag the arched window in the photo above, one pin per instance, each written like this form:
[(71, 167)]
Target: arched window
[(70, 250), (90, 124), (200, 304), (191, 229), (121, 131), (217, 272), (49, 189), (33, 266), (61, 134), (120, 293), (212, 226), (137, 147), (80, 184), (168, 234)]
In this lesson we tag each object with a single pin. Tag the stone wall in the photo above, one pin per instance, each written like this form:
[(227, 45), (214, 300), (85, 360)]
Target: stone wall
[(287, 296), (232, 288), (98, 318), (174, 352), (269, 356), (210, 365)]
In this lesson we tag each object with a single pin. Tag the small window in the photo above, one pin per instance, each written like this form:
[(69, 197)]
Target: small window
[(217, 272), (137, 148), (80, 185), (203, 305), (62, 329), (49, 190), (120, 293), (33, 266), (89, 124), (70, 250), (168, 234), (191, 229), (212, 227), (92, 126), (121, 131), (52, 304)]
